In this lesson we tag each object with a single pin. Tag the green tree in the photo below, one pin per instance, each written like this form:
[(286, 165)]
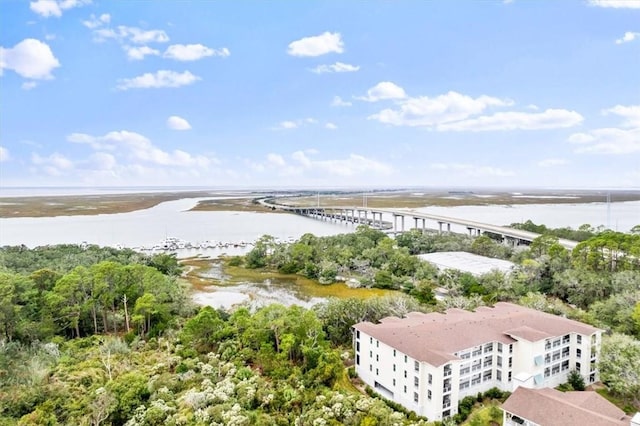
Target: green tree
[(575, 380), (620, 366)]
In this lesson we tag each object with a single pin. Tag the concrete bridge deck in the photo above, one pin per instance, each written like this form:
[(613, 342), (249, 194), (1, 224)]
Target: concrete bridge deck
[(374, 217)]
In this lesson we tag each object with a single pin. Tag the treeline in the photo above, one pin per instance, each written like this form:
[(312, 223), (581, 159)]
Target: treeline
[(72, 291), (275, 366), (584, 232)]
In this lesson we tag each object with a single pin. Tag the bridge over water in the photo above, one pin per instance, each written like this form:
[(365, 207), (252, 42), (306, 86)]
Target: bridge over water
[(394, 220)]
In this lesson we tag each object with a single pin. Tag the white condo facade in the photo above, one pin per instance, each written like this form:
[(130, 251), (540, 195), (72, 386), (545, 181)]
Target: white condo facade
[(428, 362)]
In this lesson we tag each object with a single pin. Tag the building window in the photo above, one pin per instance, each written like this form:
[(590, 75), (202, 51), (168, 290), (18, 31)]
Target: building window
[(405, 374), (377, 343), (566, 339), (429, 395), (511, 348), (509, 377), (565, 365), (371, 340), (416, 366), (510, 362), (578, 353), (416, 382), (405, 388), (499, 375), (446, 413), (377, 357), (405, 358), (370, 367), (488, 347), (578, 366), (394, 367), (430, 378), (579, 339), (499, 361), (394, 382), (370, 354), (358, 359), (487, 375), (547, 372), (464, 385), (376, 371), (394, 352), (415, 397), (357, 334), (499, 347)]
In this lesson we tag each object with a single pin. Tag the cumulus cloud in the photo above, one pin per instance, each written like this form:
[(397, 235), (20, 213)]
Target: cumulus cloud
[(140, 148), (159, 79), (317, 45), (131, 34), (138, 53), (552, 162), (430, 111), (617, 4), (337, 67), (54, 165), (97, 21), (339, 102), (330, 126), (276, 160), (472, 170), (30, 58), (627, 37), (630, 113), (47, 8), (4, 154), (178, 123), (512, 120), (193, 52), (294, 124), (384, 90), (612, 140)]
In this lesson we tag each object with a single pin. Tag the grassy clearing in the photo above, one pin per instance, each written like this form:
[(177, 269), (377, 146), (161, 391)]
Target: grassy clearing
[(623, 404), (487, 413), (234, 275)]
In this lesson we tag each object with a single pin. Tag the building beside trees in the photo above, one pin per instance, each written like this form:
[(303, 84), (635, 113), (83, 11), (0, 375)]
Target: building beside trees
[(429, 362)]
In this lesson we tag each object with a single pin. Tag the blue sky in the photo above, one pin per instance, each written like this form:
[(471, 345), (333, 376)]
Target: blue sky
[(318, 94)]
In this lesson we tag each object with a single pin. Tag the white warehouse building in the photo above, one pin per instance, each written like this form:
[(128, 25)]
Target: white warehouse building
[(428, 362)]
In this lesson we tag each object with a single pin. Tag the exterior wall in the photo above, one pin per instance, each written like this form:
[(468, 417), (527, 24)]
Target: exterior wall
[(434, 391)]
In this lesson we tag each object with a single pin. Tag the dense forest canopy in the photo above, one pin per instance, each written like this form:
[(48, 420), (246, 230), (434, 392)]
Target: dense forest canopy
[(92, 335)]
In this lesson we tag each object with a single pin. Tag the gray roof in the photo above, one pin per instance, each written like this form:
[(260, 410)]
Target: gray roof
[(467, 262)]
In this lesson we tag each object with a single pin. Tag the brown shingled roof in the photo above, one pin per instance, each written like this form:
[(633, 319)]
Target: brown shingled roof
[(564, 409), (435, 337)]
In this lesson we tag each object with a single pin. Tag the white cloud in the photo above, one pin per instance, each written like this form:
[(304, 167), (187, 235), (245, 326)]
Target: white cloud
[(627, 37), (339, 102), (102, 161), (276, 160), (612, 140), (30, 58), (607, 141), (337, 67), (132, 34), (193, 52), (28, 85), (330, 126), (96, 22), (472, 170), (139, 147), (352, 165), (426, 111), (631, 113), (54, 165), (513, 120), (138, 53), (552, 162), (46, 8), (4, 154), (384, 90), (162, 78), (294, 124), (317, 45), (617, 4), (178, 123)]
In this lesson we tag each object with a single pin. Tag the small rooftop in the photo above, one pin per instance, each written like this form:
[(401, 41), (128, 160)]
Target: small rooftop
[(467, 262), (564, 408)]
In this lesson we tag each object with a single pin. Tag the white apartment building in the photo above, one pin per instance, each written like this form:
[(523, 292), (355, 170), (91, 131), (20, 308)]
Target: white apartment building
[(428, 362)]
